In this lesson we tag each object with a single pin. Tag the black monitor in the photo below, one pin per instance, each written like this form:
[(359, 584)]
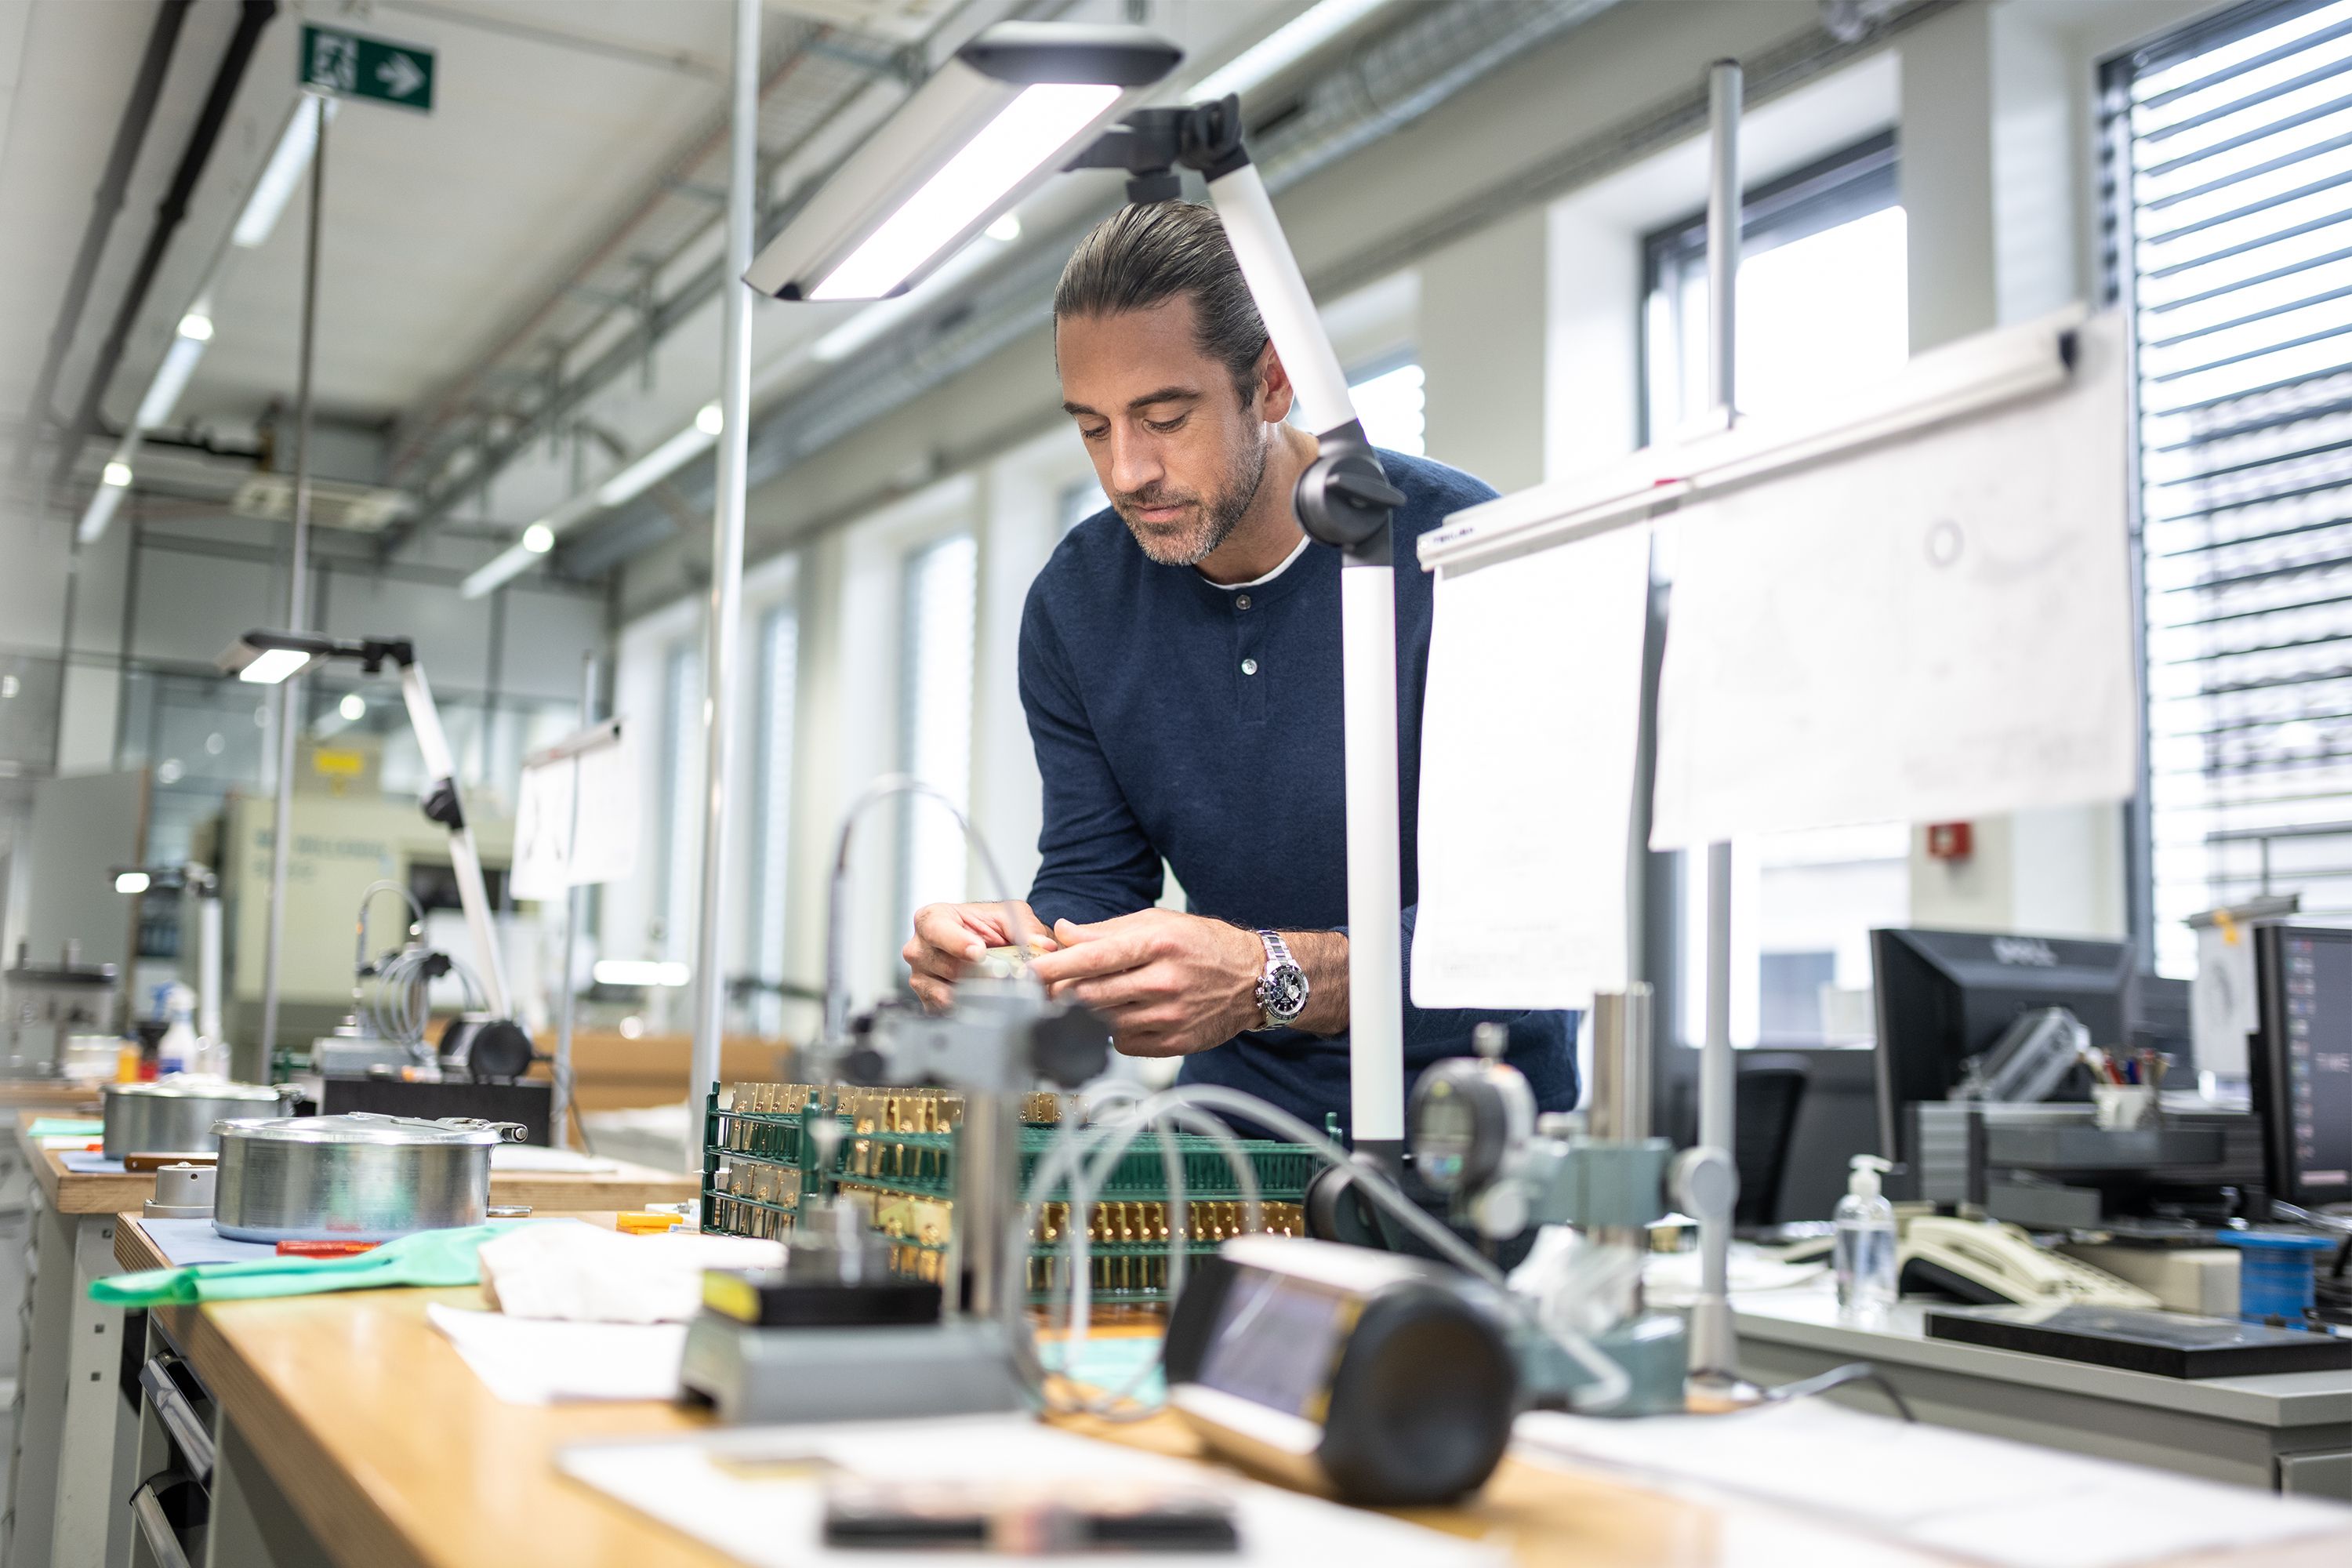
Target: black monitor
[(2300, 1061), (1943, 997)]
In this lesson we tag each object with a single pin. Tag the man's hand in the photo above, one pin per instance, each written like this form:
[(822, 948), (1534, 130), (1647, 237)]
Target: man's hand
[(1168, 984), (949, 936)]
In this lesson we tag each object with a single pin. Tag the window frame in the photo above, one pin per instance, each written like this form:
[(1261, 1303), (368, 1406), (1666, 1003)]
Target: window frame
[(1850, 181), (2119, 274)]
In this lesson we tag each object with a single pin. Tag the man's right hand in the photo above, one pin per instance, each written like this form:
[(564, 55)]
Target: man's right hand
[(948, 937)]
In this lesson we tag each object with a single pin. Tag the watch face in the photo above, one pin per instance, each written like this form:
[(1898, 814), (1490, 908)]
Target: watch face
[(1283, 992)]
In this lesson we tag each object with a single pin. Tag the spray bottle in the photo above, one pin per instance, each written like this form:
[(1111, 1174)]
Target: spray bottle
[(1865, 1243), (177, 1052)]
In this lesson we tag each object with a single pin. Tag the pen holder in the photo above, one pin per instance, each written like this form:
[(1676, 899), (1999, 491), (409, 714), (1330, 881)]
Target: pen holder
[(2122, 1107)]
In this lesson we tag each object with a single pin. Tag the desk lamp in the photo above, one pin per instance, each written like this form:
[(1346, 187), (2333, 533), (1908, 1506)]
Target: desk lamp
[(1016, 103)]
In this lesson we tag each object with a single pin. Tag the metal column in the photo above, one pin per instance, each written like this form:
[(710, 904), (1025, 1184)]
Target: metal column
[(574, 899), (1713, 1347), (298, 605), (724, 639)]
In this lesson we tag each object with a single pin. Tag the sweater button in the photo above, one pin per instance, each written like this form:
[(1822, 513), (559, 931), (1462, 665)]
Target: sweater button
[(1241, 601), (1249, 667)]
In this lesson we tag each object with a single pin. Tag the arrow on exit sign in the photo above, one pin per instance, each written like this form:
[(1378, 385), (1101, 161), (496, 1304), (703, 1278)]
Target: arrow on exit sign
[(350, 65)]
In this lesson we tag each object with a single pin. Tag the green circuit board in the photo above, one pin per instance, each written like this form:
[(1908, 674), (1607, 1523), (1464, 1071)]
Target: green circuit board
[(895, 1158)]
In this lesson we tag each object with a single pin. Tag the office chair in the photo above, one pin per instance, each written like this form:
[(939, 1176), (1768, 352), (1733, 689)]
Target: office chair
[(1766, 1094)]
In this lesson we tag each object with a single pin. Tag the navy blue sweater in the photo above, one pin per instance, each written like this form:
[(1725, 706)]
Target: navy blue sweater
[(1174, 719)]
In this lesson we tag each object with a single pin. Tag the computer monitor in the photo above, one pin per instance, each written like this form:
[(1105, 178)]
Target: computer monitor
[(1943, 997), (2300, 1061)]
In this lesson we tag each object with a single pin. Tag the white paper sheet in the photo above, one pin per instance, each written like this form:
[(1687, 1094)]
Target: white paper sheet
[(1527, 738), (538, 1361), (2012, 1504), (775, 1522), (1933, 629), (549, 857)]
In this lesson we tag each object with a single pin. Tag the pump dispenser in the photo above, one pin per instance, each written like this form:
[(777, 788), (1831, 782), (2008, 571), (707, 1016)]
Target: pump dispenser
[(1865, 1243)]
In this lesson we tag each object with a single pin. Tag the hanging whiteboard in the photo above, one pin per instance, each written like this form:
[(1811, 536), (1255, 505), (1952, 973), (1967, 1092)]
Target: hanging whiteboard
[(597, 768), (1529, 732), (1928, 628)]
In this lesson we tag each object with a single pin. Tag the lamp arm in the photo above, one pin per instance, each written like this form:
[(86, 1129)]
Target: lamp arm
[(444, 804), (1344, 500)]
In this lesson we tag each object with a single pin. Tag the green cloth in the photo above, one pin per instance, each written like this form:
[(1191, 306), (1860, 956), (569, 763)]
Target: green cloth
[(66, 1127), (427, 1258)]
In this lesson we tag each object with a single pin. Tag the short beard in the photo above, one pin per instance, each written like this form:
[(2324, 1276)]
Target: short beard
[(1189, 544)]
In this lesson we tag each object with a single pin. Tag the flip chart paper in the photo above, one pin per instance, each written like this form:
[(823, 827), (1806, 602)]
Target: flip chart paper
[(1529, 731), (1934, 628)]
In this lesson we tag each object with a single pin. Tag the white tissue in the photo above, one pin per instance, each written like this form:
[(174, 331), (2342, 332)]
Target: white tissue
[(582, 1273)]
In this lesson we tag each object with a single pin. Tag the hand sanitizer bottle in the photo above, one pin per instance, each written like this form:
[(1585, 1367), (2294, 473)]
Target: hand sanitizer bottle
[(178, 1050), (1865, 1243)]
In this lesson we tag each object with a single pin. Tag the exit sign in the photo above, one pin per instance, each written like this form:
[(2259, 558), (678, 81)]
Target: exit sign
[(351, 66)]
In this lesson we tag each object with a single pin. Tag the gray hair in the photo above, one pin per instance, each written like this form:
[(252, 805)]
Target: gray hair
[(1140, 257)]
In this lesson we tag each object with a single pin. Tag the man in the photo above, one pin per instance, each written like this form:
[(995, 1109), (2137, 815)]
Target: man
[(1180, 669)]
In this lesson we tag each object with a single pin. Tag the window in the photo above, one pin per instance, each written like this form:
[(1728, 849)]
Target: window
[(1080, 501), (1823, 303), (779, 666), (935, 713), (2231, 237), (1390, 406), (681, 778)]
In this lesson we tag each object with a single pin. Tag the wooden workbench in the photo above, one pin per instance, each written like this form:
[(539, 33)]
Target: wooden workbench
[(376, 1436), (70, 1444), (559, 1192)]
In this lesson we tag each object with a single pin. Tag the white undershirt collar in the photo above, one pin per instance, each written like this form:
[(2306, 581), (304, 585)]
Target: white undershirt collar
[(1296, 551)]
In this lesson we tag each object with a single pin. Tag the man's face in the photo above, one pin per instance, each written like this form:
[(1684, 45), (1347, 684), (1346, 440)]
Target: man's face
[(1179, 452)]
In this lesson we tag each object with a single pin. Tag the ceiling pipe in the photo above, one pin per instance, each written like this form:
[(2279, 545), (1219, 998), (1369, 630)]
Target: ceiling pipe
[(254, 15), (130, 135)]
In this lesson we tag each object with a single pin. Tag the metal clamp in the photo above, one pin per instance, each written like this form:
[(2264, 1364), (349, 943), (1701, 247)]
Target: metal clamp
[(163, 1541), (179, 1417)]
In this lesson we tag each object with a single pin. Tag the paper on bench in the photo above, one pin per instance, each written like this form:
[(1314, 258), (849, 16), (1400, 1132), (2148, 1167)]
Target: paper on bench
[(1527, 739), (2012, 1504)]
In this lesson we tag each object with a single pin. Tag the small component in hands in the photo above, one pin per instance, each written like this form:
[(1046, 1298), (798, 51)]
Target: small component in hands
[(1002, 964)]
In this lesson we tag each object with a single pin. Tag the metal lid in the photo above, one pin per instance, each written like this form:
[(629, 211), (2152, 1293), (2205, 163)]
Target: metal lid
[(367, 1127), (187, 1086)]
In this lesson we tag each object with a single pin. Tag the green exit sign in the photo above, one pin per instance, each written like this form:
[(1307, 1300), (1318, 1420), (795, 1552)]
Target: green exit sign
[(351, 66)]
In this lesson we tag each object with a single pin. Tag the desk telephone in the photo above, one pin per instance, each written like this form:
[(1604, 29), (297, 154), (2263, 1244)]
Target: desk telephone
[(1988, 1262)]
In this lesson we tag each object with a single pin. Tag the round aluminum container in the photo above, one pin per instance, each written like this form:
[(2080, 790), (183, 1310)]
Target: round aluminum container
[(354, 1177), (176, 1115)]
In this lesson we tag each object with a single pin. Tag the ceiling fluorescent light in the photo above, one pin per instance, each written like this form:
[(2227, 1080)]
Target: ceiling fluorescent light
[(1283, 48), (197, 326), (171, 380), (99, 513), (539, 539), (1045, 119), (118, 473), (283, 172), (655, 466), (273, 665), (501, 569)]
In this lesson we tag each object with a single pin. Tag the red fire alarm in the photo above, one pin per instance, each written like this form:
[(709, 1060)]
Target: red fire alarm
[(1949, 841)]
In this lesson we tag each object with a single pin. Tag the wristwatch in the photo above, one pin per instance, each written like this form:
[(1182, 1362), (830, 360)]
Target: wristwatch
[(1282, 989)]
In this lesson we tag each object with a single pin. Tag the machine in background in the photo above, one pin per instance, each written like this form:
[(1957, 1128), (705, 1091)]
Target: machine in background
[(1983, 1105), (50, 1004)]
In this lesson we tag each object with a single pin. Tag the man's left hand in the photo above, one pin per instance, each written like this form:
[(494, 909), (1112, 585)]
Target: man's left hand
[(1168, 984)]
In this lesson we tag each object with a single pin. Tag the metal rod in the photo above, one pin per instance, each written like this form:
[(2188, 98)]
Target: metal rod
[(574, 897), (1713, 1348), (724, 633), (298, 605)]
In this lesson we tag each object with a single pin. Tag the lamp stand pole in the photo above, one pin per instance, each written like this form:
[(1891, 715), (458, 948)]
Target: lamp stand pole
[(724, 638), (298, 609), (1713, 1348)]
